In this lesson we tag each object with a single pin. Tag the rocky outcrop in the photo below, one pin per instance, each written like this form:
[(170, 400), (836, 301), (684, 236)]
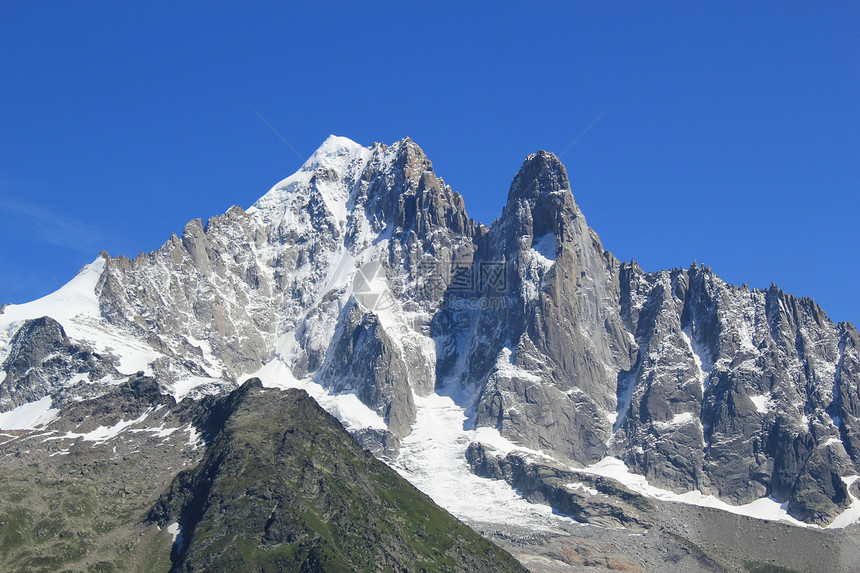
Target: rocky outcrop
[(363, 359), (42, 361), (587, 498), (132, 399), (381, 443), (546, 340)]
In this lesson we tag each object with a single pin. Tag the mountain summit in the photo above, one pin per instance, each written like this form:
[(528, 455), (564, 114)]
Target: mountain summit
[(361, 279)]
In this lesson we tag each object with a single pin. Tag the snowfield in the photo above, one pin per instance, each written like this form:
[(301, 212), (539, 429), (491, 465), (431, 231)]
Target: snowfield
[(433, 458), (28, 416)]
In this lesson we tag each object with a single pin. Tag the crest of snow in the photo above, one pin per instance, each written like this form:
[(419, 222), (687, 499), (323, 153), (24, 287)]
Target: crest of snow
[(762, 403), (28, 416), (764, 508), (75, 298), (76, 307), (437, 446), (335, 153), (347, 408)]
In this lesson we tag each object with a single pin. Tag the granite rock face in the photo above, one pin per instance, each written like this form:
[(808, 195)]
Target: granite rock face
[(360, 361), (736, 392), (548, 340), (694, 383), (277, 281), (362, 272), (42, 361)]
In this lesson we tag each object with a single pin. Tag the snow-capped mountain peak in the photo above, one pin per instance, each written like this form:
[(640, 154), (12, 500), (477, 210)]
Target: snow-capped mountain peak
[(335, 155)]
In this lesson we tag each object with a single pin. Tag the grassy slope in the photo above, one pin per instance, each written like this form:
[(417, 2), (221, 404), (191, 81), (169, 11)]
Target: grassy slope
[(69, 513), (283, 487)]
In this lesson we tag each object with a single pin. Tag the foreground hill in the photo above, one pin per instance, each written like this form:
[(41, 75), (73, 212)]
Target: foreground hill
[(277, 485), (283, 487)]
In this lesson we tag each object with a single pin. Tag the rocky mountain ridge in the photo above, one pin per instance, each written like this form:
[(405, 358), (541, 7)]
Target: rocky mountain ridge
[(363, 274)]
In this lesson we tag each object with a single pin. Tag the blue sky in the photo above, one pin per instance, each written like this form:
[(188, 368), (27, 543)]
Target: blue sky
[(727, 133)]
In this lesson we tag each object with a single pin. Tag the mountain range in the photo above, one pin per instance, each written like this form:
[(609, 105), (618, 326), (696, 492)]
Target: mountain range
[(518, 374)]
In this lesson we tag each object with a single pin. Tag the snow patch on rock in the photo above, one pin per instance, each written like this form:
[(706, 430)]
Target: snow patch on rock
[(29, 416), (763, 508), (762, 403)]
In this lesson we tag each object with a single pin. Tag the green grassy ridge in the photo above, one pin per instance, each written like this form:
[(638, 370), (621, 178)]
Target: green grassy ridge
[(284, 487)]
